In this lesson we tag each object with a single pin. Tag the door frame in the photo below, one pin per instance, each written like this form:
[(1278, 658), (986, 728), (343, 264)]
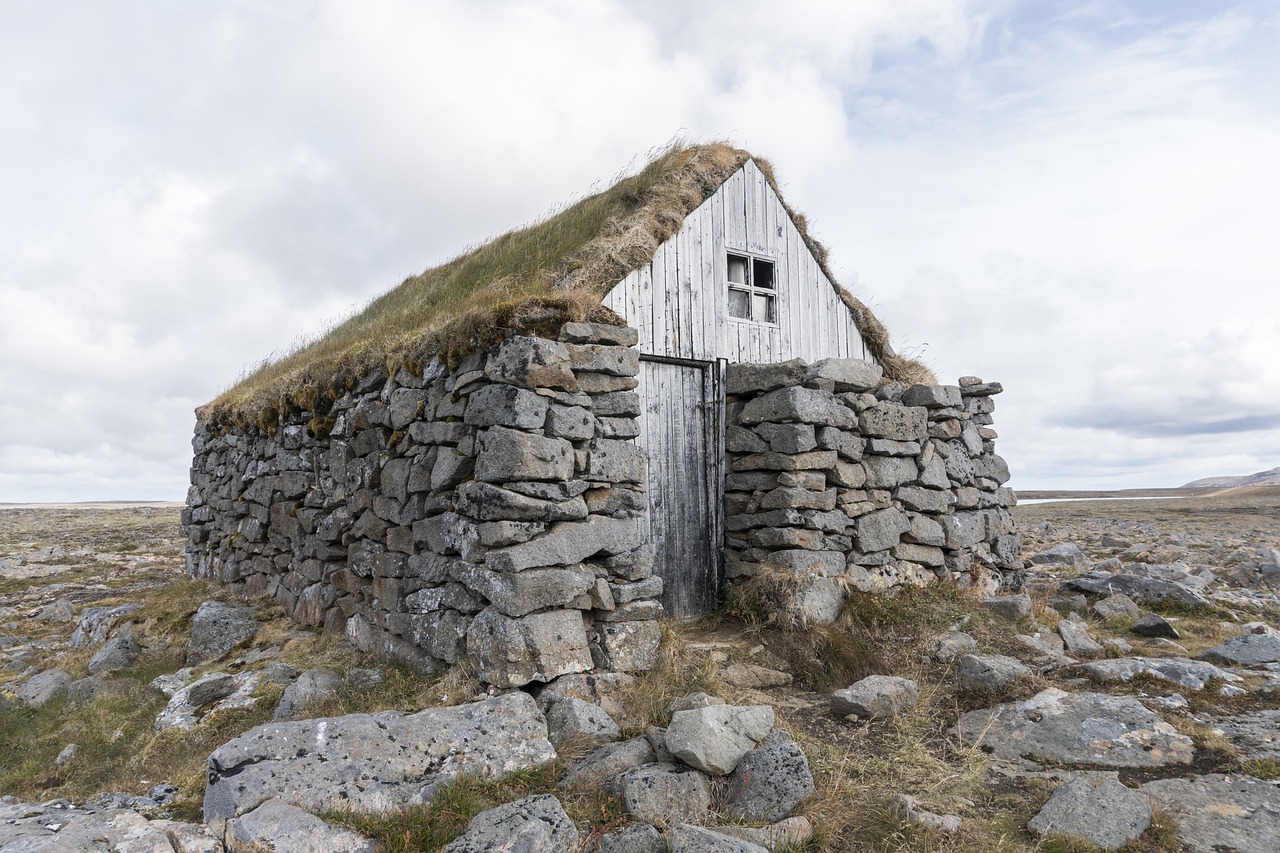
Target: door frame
[(713, 406)]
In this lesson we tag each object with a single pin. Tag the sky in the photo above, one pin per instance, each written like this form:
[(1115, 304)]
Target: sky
[(1080, 200)]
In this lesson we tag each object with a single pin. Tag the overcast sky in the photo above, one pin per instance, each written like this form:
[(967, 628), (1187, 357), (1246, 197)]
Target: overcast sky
[(1078, 199)]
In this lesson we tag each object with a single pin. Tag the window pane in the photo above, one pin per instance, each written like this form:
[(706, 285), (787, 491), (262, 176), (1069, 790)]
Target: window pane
[(737, 270), (762, 273), (739, 304), (762, 308)]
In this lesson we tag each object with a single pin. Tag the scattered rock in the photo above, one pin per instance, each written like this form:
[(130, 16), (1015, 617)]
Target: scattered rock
[(690, 701), (1067, 554), (988, 673), (532, 824), (715, 738), (1144, 590), (95, 624), (789, 834), (1108, 815), (43, 687), (1246, 650), (947, 647), (120, 652), (217, 691), (1155, 625), (600, 767), (1075, 636), (876, 697), (361, 680), (1012, 607), (1117, 604), (908, 810), (217, 628), (581, 722), (313, 686), (1257, 734), (1077, 728), (637, 838)]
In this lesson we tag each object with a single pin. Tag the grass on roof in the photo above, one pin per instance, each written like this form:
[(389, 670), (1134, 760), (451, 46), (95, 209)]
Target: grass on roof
[(528, 281)]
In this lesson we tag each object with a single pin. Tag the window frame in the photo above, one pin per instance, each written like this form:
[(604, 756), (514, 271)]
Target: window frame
[(750, 288)]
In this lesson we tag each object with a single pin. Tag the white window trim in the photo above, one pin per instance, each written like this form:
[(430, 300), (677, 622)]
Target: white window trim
[(749, 288)]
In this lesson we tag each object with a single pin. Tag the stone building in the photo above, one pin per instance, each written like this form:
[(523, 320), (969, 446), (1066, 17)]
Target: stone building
[(527, 456)]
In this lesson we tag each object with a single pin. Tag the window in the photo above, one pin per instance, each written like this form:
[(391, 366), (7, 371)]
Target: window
[(751, 293)]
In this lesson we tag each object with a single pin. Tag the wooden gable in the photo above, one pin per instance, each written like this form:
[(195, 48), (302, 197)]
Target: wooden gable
[(679, 300)]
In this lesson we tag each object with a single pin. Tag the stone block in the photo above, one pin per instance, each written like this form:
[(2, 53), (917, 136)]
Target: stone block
[(609, 360), (568, 542), (505, 405), (506, 454), (630, 646), (880, 530), (511, 652), (804, 405), (613, 461), (918, 499), (755, 378), (788, 438), (876, 697), (901, 423), (487, 502), (932, 396), (887, 472), (531, 363), (519, 593), (813, 460), (847, 374), (599, 333)]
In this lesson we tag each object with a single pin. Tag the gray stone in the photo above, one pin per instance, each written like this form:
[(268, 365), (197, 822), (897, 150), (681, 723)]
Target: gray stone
[(506, 454), (614, 461), (599, 333), (1246, 650), (744, 378), (1256, 734), (1066, 554), (283, 828), (917, 499), (362, 759), (949, 646), (534, 824), (1075, 635), (1012, 607), (819, 600), (1155, 625), (988, 673), (312, 686), (908, 810), (581, 722), (770, 782), (880, 530), (752, 676), (1218, 812), (887, 420), (887, 472), (788, 834), (531, 363), (1117, 604), (715, 739), (217, 628), (95, 623), (848, 374), (599, 768), (43, 687), (662, 795), (609, 360), (1077, 728), (1186, 673), (962, 530), (630, 646), (218, 691), (488, 502), (572, 422), (120, 652), (805, 405), (637, 838), (932, 396), (788, 438), (567, 543), (518, 593), (876, 697), (1143, 590), (687, 838), (1109, 815), (509, 652)]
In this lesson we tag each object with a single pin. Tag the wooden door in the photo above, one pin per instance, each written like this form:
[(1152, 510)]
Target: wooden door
[(682, 431)]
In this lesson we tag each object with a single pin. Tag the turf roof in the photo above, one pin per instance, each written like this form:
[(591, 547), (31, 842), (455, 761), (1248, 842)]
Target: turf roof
[(531, 280)]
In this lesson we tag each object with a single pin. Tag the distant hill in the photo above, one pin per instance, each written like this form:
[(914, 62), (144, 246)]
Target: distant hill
[(1262, 478)]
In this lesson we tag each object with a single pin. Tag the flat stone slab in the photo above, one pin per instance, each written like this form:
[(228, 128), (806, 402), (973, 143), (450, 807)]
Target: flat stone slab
[(374, 762), (279, 826), (1187, 673), (1143, 590), (1257, 734), (1246, 650), (1077, 728), (1109, 815), (1218, 812)]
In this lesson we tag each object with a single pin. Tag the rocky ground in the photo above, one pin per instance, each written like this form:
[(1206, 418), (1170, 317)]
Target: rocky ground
[(1128, 698)]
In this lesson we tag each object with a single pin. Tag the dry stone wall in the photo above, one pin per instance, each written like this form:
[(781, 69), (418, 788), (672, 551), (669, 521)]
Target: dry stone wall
[(491, 512), (842, 481)]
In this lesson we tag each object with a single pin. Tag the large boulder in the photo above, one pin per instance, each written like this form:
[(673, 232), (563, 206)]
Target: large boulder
[(1077, 728), (44, 687), (374, 762)]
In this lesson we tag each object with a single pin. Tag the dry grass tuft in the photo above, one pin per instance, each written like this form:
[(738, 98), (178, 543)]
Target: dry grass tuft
[(531, 280), (680, 671)]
